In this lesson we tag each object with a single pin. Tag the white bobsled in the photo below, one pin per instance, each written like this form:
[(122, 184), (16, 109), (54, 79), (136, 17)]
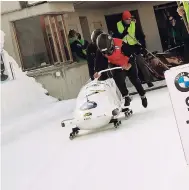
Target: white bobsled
[(98, 104)]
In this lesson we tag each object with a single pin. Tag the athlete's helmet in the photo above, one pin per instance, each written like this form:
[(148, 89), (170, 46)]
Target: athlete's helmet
[(105, 43), (95, 35)]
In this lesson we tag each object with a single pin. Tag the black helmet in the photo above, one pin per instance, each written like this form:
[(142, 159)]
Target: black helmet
[(105, 43), (95, 34)]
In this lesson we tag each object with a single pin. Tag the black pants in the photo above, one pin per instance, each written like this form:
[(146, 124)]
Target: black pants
[(120, 77)]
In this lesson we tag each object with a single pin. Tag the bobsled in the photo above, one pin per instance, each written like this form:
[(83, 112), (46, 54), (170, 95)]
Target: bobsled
[(98, 104)]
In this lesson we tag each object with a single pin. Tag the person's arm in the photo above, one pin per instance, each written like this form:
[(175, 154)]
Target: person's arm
[(184, 14), (91, 62), (142, 39), (128, 51), (125, 32), (121, 36), (80, 50), (101, 62), (180, 10), (140, 36)]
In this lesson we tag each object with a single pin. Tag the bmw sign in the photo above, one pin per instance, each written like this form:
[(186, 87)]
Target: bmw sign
[(182, 82), (177, 80)]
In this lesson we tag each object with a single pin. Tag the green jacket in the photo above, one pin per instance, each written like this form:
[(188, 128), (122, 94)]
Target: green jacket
[(81, 41), (186, 8), (72, 40), (77, 49), (130, 30)]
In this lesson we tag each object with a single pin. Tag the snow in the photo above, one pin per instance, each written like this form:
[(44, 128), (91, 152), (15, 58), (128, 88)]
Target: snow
[(20, 94), (144, 153)]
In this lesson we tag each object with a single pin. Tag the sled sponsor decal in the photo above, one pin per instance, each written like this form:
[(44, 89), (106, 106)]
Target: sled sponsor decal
[(98, 91), (177, 80), (87, 114), (95, 85), (182, 82), (92, 93)]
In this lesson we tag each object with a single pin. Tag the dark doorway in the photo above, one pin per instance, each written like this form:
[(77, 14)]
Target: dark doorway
[(111, 21), (162, 13)]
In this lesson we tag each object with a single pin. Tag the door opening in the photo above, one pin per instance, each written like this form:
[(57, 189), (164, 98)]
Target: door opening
[(85, 28)]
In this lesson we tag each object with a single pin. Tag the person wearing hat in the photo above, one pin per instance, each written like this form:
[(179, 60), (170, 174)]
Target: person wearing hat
[(127, 26), (128, 32)]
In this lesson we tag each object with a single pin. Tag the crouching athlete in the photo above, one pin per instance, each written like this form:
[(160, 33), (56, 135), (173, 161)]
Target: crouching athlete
[(119, 53), (98, 62)]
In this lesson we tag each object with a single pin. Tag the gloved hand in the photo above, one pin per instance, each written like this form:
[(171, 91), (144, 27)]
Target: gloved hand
[(111, 33), (127, 66), (139, 49), (132, 59), (125, 32), (181, 11), (143, 51), (96, 75)]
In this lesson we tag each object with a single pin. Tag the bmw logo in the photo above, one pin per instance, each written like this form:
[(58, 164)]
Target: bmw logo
[(182, 82)]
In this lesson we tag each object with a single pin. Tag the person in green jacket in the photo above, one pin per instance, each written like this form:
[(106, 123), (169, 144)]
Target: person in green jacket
[(78, 51), (176, 32), (128, 32), (84, 42), (184, 10)]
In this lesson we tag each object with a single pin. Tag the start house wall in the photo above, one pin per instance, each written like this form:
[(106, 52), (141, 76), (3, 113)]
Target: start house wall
[(73, 76)]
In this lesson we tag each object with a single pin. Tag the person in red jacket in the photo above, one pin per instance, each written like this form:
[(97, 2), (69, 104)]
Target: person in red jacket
[(119, 53), (98, 62)]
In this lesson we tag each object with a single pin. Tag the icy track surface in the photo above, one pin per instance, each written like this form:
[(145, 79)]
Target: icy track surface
[(145, 153)]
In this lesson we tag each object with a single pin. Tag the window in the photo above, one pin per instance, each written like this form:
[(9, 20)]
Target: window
[(42, 41)]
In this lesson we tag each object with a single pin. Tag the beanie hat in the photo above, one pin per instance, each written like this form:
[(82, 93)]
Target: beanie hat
[(126, 15)]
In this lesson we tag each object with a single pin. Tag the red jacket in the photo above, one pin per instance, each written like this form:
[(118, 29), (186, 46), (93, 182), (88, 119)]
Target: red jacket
[(117, 57)]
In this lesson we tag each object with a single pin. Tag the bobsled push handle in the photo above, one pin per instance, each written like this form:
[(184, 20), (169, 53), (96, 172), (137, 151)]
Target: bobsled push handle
[(110, 69)]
